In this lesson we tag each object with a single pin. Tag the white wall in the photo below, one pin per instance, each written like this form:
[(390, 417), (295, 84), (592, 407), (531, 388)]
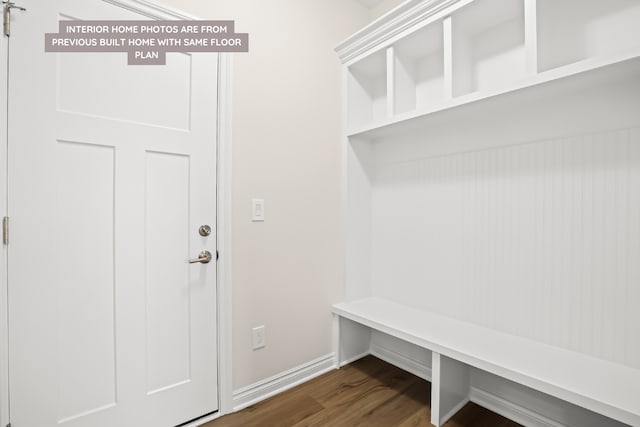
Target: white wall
[(382, 8), (286, 149)]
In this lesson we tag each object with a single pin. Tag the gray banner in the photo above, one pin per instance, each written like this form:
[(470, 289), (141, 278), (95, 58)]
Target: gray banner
[(146, 42)]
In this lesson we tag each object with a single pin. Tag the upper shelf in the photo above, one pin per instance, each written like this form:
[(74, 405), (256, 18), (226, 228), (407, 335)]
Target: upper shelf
[(544, 87), (443, 54)]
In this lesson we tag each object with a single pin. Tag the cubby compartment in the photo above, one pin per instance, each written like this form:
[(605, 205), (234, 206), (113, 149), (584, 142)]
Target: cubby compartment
[(419, 70), (573, 30), (488, 45), (367, 90)]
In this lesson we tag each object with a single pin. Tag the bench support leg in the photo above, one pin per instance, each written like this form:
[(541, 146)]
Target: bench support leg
[(351, 340), (449, 388)]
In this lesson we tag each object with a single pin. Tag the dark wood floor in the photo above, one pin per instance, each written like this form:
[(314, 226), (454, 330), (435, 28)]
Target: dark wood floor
[(368, 393)]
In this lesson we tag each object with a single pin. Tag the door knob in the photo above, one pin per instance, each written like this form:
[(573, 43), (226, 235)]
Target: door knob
[(204, 257)]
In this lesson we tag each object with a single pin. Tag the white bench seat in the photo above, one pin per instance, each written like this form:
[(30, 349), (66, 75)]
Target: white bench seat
[(607, 388)]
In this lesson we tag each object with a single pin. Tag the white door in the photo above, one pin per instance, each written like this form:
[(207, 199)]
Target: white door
[(111, 174)]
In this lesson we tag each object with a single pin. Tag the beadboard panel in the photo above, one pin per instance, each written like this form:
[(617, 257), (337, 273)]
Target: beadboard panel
[(539, 239)]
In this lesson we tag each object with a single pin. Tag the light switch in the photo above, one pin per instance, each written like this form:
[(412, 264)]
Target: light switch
[(257, 209)]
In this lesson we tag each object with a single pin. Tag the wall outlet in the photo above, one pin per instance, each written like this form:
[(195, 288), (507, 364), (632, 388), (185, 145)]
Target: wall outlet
[(258, 337)]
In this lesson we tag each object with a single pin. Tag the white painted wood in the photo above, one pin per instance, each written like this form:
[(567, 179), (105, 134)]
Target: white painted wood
[(520, 414), (531, 36), (104, 196), (449, 388), (540, 230), (168, 312), (595, 384), (436, 375), (574, 30), (419, 69), (354, 340), (367, 90), (393, 26), (407, 356), (510, 203), (224, 237), (530, 407), (4, 354), (447, 39), (254, 393), (488, 45), (392, 94), (358, 217), (554, 85), (401, 361)]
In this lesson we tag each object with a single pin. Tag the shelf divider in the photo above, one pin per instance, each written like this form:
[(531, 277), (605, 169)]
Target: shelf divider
[(531, 36), (391, 78), (448, 58)]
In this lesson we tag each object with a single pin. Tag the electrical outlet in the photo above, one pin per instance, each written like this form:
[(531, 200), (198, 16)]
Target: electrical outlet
[(258, 337)]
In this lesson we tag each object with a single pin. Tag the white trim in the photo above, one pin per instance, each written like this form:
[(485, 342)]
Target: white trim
[(390, 25), (269, 387), (414, 367), (4, 317), (225, 383), (453, 411), (510, 410), (353, 359)]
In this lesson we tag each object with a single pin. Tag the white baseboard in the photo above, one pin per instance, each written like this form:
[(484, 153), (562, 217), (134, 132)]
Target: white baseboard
[(454, 411), (262, 390), (396, 359), (353, 359), (507, 409)]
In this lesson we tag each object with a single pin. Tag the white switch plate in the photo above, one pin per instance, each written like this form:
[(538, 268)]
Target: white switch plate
[(258, 337), (257, 209)]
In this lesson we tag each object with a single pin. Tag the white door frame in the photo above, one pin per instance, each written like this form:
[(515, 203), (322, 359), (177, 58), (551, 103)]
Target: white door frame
[(223, 281), (4, 320)]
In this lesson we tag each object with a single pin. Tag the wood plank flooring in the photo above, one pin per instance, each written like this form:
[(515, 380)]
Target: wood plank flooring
[(369, 393)]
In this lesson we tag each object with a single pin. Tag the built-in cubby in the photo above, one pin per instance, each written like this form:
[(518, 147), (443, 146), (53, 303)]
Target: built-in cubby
[(418, 72), (492, 193), (367, 90), (488, 45), (570, 31)]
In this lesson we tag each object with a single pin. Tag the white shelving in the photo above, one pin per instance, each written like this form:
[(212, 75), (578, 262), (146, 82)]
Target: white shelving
[(488, 45), (492, 176), (367, 90), (418, 77), (524, 361), (570, 31), (483, 48)]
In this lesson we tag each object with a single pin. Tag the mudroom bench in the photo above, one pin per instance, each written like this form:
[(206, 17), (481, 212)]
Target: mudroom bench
[(456, 347)]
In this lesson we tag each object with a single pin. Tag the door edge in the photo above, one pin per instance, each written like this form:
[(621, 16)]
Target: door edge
[(223, 235), (4, 289)]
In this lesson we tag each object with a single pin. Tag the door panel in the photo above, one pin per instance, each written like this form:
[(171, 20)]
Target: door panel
[(168, 107), (112, 171), (86, 321), (166, 240)]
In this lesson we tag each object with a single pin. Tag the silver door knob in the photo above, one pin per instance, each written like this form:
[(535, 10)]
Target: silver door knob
[(204, 257)]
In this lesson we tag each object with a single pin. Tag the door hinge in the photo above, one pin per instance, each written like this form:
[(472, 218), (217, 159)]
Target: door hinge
[(5, 232), (6, 15)]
